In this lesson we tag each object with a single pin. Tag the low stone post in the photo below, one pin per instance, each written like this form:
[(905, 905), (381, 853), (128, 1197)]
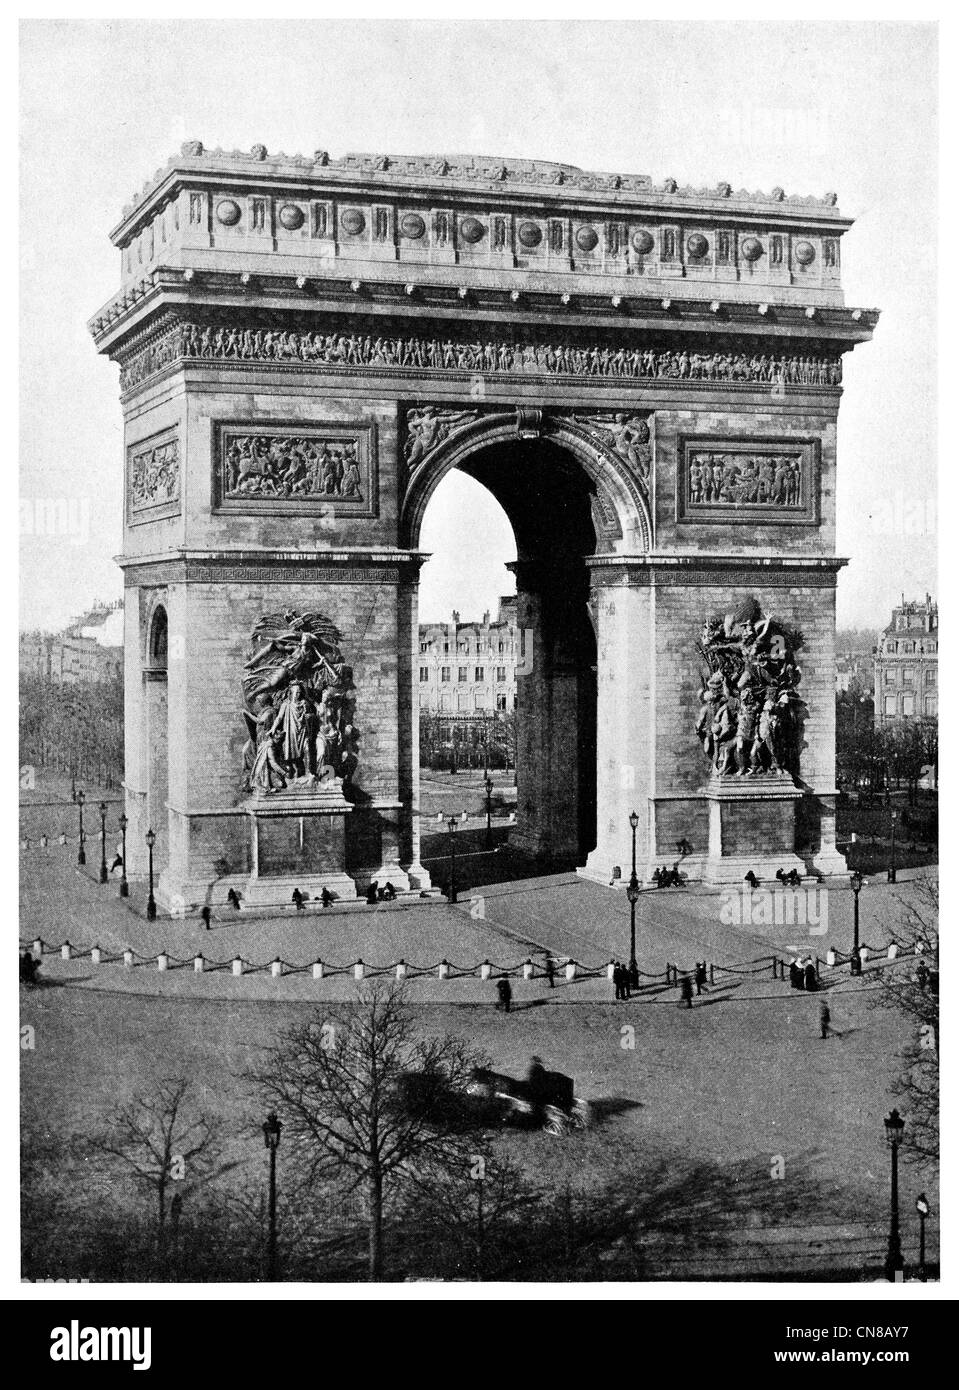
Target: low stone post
[(610, 969), (486, 970), (571, 970), (276, 968), (317, 970), (527, 969), (37, 946), (831, 957), (65, 951), (128, 957), (163, 960), (443, 970), (401, 969), (198, 964), (95, 955), (238, 965), (893, 951), (359, 970)]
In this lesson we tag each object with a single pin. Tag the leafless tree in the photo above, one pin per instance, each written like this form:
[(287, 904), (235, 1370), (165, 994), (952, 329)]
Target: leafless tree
[(912, 989), (341, 1086), (161, 1141)]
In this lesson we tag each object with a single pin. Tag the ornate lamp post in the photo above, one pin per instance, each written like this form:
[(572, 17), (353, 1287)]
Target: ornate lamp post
[(632, 893), (81, 852), (922, 1207), (124, 885), (151, 840), (891, 874), (271, 1138), (855, 882), (489, 811), (895, 1125), (103, 842)]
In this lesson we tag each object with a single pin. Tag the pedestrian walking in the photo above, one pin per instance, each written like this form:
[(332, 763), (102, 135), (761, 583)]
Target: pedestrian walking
[(550, 971), (505, 993), (855, 963), (633, 976), (825, 1019), (297, 899), (326, 897), (700, 976), (233, 898), (28, 970), (205, 914), (686, 991)]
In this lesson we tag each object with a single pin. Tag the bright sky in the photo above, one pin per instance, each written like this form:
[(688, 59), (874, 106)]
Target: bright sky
[(811, 107)]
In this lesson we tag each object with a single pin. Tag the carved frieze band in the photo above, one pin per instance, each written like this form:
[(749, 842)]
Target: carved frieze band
[(500, 356), (153, 472), (758, 481), (322, 470)]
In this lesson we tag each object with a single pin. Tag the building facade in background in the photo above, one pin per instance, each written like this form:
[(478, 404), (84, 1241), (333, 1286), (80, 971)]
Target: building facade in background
[(469, 668), (89, 650), (907, 664)]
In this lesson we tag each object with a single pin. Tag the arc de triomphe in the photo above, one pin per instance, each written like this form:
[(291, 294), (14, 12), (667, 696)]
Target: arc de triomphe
[(646, 377)]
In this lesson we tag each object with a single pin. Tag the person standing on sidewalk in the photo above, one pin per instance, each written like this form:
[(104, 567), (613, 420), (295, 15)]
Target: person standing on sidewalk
[(825, 1018), (505, 993), (550, 972), (686, 992)]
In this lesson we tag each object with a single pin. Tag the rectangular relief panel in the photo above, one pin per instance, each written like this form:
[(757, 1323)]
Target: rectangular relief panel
[(153, 478), (752, 480), (294, 469)]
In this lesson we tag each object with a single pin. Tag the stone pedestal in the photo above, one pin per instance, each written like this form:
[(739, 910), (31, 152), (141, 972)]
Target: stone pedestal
[(298, 840), (752, 825)]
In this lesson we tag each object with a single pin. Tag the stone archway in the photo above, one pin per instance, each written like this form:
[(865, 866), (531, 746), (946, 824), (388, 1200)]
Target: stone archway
[(569, 497)]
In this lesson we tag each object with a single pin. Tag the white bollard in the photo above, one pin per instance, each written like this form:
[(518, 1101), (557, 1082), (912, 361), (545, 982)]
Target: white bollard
[(128, 957), (486, 970), (610, 969), (163, 960), (358, 970), (276, 968), (95, 955), (401, 970), (238, 965), (198, 965), (37, 947), (443, 970), (893, 951), (527, 969), (65, 951), (317, 970), (830, 957), (571, 970), (863, 954)]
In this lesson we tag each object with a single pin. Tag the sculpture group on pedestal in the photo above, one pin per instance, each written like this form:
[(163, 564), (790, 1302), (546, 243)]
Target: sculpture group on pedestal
[(299, 705), (751, 714)]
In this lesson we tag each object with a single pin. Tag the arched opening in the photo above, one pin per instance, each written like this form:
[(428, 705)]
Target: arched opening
[(155, 751), (550, 502)]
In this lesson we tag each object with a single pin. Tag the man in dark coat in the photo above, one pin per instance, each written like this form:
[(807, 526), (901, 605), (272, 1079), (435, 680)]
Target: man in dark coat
[(812, 982), (825, 1019), (700, 976), (686, 990), (505, 993)]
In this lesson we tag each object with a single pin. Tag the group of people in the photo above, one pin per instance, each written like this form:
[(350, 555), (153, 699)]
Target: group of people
[(375, 894), (625, 978), (668, 878), (803, 975)]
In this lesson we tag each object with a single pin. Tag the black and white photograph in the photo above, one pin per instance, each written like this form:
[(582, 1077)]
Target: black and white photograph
[(479, 658)]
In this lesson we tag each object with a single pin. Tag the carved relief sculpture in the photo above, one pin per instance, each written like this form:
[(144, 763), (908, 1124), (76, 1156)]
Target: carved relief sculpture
[(155, 476), (750, 712), (427, 428), (626, 435), (294, 468), (488, 355), (723, 480), (299, 705)]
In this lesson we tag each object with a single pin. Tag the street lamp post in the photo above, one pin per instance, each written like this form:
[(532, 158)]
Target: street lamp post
[(81, 852), (103, 842), (151, 840), (895, 1125), (922, 1207), (271, 1138), (489, 811), (124, 885), (451, 823), (855, 882), (632, 893), (891, 874)]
